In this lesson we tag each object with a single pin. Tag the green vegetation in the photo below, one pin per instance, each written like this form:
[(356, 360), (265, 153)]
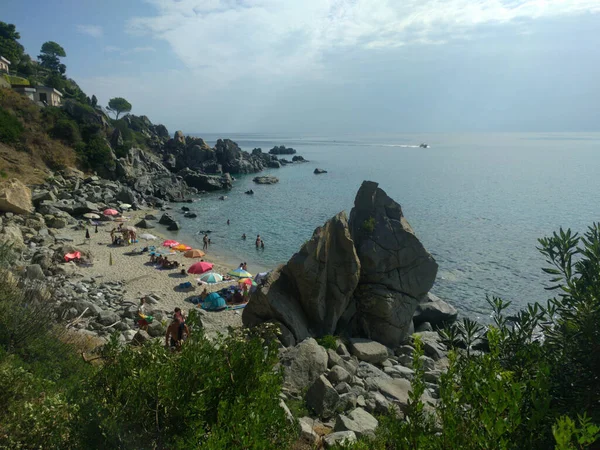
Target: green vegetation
[(538, 387), (328, 341), (49, 57), (369, 225), (213, 395), (16, 81), (11, 129), (9, 47), (118, 105)]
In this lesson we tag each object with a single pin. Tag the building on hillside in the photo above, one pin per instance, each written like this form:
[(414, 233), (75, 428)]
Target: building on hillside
[(48, 96), (27, 91), (4, 64)]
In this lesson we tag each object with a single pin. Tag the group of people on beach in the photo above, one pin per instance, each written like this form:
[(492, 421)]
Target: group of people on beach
[(163, 262), (205, 242), (119, 236)]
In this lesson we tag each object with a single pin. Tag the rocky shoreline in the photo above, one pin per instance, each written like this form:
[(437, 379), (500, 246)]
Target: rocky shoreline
[(364, 279)]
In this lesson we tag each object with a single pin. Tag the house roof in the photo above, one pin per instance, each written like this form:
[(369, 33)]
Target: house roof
[(4, 59), (47, 88)]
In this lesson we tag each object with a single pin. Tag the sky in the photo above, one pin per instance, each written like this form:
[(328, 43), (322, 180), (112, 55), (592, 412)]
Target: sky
[(331, 67)]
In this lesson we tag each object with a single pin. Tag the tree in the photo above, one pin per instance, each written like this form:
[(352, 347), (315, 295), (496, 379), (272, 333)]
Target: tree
[(49, 57), (9, 47), (118, 105), (94, 101)]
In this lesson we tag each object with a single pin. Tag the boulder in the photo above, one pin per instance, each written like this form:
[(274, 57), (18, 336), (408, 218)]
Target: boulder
[(56, 222), (274, 164), (312, 291), (204, 182), (298, 158), (338, 374), (125, 195), (319, 171), (116, 139), (339, 439), (107, 318), (150, 217), (144, 223), (366, 370), (12, 235), (396, 270), (282, 150), (15, 197), (434, 310), (395, 390), (266, 179), (179, 137), (174, 226), (322, 398), (40, 196), (303, 364), (140, 338), (34, 272), (307, 434), (368, 350), (166, 219), (359, 421)]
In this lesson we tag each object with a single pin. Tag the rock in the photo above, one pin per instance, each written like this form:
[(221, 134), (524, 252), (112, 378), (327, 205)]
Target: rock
[(298, 158), (425, 326), (34, 272), (116, 139), (266, 179), (339, 438), (435, 311), (146, 224), (56, 222), (350, 365), (307, 434), (166, 219), (396, 270), (41, 196), (204, 182), (338, 374), (312, 291), (303, 364), (12, 235), (322, 398), (435, 350), (155, 329), (15, 197), (282, 150), (125, 195), (150, 217), (342, 388), (107, 318), (274, 164), (369, 351), (366, 370), (319, 171), (396, 389), (140, 338), (129, 335), (179, 137), (359, 421), (190, 215), (174, 226), (399, 371)]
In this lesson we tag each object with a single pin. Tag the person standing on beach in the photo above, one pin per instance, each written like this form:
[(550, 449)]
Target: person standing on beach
[(87, 233), (205, 242)]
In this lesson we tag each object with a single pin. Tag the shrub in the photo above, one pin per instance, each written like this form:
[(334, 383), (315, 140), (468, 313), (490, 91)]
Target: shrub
[(11, 129), (369, 225), (67, 131), (328, 341)]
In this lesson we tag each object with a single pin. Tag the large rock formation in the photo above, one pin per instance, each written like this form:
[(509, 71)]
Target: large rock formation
[(396, 270), (15, 197), (314, 289), (360, 278)]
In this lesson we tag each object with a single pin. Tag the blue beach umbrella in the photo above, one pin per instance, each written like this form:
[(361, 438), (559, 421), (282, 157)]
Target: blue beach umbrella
[(211, 277)]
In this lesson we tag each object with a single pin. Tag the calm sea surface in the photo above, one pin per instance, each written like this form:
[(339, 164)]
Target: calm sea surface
[(478, 202)]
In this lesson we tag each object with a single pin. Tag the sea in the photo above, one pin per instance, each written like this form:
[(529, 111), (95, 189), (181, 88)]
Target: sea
[(478, 202)]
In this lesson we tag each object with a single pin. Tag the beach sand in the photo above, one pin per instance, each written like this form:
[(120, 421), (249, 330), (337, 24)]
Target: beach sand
[(141, 278)]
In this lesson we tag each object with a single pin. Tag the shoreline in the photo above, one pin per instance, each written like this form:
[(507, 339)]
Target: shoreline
[(140, 278)]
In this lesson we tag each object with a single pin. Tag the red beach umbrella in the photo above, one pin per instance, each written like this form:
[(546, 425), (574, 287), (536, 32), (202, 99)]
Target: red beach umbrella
[(170, 243), (200, 267)]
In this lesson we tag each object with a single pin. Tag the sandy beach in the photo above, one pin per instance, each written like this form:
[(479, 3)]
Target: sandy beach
[(142, 278)]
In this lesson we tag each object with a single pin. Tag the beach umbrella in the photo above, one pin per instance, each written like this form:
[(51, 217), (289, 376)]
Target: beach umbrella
[(124, 206), (110, 212), (211, 278), (170, 243), (194, 253), (248, 281), (147, 237), (181, 247), (130, 228), (200, 267), (240, 273), (91, 216)]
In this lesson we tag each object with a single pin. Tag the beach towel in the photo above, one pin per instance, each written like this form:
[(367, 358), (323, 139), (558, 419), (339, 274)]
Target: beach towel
[(185, 285), (232, 307), (72, 256)]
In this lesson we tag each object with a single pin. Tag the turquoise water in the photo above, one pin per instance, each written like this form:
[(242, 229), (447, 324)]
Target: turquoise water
[(478, 202)]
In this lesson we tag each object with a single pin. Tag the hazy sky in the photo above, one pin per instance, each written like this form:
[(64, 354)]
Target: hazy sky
[(331, 66)]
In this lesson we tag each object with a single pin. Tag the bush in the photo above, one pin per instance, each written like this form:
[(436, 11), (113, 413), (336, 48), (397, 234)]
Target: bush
[(328, 341), (11, 129), (67, 131), (369, 225)]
